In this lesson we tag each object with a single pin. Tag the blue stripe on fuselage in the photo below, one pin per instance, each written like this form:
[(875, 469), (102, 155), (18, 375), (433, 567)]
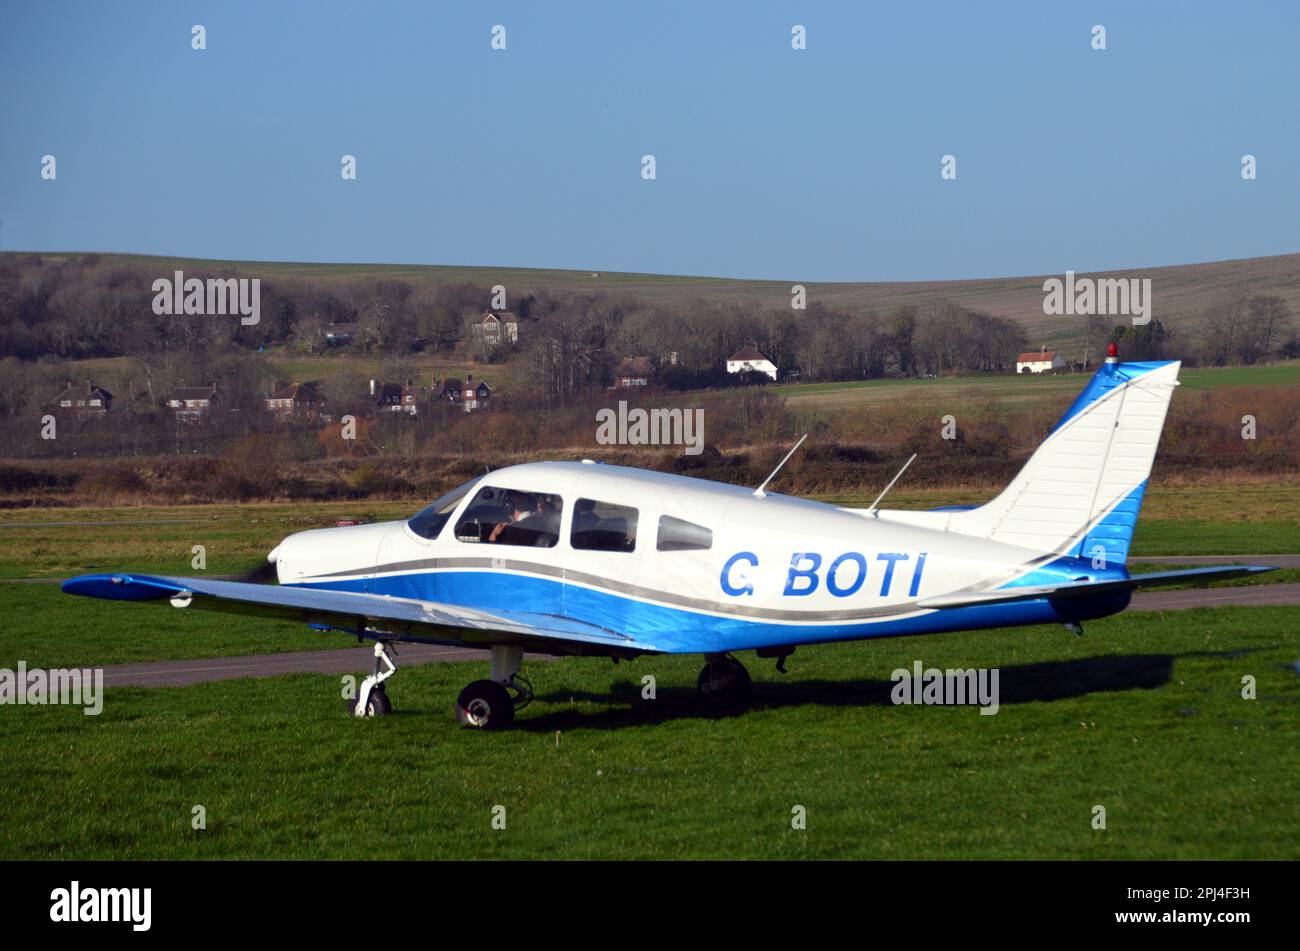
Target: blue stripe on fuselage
[(682, 631)]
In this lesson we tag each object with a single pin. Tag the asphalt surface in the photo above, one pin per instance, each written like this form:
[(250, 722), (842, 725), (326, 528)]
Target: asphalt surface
[(357, 660), (176, 673)]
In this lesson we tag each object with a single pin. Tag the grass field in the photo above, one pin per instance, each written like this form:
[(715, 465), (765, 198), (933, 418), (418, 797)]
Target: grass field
[(1143, 715), (1007, 388)]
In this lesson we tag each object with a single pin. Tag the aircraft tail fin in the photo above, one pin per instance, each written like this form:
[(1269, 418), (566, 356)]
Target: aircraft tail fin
[(1080, 492)]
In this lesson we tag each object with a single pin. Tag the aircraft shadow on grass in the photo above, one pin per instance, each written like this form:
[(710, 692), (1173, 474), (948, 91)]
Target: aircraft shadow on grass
[(1026, 683)]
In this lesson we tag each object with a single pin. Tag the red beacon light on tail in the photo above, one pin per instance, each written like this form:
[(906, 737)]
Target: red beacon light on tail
[(1112, 352)]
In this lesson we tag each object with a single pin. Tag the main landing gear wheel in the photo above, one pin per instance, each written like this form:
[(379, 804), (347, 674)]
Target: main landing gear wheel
[(724, 683), (485, 705), (491, 704)]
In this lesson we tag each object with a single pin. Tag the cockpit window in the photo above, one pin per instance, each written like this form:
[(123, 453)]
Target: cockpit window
[(603, 526), (428, 522), (498, 516), (676, 534)]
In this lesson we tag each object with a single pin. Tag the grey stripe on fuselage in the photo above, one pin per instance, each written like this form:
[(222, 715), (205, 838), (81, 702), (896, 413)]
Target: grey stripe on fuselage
[(620, 587)]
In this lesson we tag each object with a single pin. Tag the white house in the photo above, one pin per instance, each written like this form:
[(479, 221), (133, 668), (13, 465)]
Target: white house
[(1041, 361), (748, 358)]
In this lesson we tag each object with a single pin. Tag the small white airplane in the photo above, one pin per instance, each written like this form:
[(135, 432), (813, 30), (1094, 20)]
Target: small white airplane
[(586, 558)]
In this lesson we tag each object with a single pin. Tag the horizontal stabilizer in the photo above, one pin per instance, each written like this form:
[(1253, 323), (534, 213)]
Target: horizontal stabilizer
[(1074, 589)]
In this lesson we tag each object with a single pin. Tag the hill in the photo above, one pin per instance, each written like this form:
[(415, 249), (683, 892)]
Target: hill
[(1180, 292)]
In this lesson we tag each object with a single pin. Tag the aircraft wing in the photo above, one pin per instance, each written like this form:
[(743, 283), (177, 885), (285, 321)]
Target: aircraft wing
[(1072, 589), (357, 613)]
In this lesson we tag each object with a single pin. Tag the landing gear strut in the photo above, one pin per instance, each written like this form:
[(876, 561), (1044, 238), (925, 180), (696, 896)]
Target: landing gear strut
[(491, 704), (724, 682), (371, 699)]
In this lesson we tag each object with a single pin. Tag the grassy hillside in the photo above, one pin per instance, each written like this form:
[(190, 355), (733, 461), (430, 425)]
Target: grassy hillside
[(1008, 388), (1180, 292)]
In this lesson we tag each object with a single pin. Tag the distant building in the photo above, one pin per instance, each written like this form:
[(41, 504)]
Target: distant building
[(633, 371), (1044, 361), (496, 327), (748, 359), (192, 403), (296, 399), (85, 399), (470, 395), (336, 335), (396, 398)]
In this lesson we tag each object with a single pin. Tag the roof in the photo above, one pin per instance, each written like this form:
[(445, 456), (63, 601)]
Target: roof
[(397, 391), (634, 366), (85, 391), (298, 392), (504, 316), (193, 393), (1036, 356), (451, 384), (701, 499), (748, 353)]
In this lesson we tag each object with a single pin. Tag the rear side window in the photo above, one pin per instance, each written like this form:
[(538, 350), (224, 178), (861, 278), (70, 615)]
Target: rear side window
[(677, 534), (603, 526)]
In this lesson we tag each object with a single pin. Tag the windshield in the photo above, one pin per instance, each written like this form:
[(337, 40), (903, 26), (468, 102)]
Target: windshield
[(428, 522)]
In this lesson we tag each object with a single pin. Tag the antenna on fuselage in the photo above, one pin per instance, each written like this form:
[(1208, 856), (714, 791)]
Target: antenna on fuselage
[(759, 493), (872, 511)]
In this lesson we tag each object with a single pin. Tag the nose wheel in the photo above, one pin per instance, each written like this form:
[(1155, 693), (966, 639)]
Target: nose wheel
[(371, 699)]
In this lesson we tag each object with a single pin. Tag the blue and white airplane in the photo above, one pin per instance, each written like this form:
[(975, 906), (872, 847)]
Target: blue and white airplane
[(585, 558)]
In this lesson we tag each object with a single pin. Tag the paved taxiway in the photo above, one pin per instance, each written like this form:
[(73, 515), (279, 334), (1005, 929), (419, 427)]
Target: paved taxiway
[(174, 673)]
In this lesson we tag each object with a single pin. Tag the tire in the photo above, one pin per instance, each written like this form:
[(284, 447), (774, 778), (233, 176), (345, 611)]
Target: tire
[(377, 704), (725, 684), (485, 705)]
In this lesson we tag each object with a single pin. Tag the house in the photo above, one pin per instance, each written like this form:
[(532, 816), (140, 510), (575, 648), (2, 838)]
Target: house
[(85, 399), (470, 395), (337, 335), (1044, 361), (633, 371), (496, 327), (296, 399), (396, 398), (748, 359), (191, 403)]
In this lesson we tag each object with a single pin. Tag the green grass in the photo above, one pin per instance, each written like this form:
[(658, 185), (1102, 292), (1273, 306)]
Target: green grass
[(48, 543), (1008, 387), (48, 628), (1142, 715)]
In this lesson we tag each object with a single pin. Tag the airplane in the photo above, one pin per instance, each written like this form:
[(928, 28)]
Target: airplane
[(584, 558)]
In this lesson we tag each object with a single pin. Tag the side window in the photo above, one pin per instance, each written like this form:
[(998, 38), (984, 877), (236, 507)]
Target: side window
[(603, 526), (497, 516), (676, 534)]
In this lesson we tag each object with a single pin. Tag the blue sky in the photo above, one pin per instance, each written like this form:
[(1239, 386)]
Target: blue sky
[(820, 164)]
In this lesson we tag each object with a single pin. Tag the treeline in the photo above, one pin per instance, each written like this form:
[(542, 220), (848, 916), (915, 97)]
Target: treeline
[(746, 434), (89, 307)]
